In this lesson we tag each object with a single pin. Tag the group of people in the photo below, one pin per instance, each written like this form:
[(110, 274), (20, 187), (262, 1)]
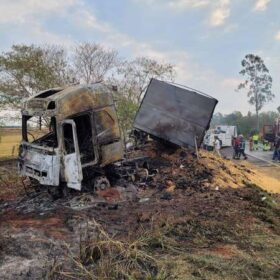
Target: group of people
[(276, 153), (238, 144)]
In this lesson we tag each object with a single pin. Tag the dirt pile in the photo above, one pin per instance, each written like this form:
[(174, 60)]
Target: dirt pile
[(171, 168)]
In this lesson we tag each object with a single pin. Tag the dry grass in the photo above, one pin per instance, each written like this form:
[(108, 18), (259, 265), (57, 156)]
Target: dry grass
[(181, 249), (9, 142), (106, 257), (10, 139), (11, 185)]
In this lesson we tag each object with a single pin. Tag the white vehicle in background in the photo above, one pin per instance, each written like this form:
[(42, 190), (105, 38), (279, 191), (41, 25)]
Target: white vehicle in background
[(225, 134)]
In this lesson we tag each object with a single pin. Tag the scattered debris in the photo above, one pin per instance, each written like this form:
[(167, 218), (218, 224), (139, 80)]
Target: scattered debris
[(181, 206), (144, 199), (170, 186)]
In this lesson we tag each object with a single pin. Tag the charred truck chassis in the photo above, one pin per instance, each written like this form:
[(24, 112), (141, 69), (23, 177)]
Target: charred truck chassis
[(83, 141), (83, 136)]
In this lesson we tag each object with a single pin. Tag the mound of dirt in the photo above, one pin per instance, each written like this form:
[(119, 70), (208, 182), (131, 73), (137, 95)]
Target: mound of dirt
[(181, 169)]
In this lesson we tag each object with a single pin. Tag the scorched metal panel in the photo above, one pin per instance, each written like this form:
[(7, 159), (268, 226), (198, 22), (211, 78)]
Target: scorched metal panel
[(175, 113)]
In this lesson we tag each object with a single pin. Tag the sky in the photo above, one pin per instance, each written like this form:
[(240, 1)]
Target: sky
[(204, 39)]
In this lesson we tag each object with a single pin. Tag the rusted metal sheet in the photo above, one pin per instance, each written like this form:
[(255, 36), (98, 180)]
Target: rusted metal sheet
[(68, 105), (111, 153), (107, 126), (72, 101), (69, 101), (175, 113)]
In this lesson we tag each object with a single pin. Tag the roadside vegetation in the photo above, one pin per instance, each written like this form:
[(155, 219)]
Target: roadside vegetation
[(9, 142), (29, 69), (246, 123), (218, 244), (11, 185)]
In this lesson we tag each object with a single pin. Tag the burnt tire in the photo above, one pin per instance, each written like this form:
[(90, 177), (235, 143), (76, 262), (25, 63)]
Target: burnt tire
[(62, 191), (55, 192), (101, 183)]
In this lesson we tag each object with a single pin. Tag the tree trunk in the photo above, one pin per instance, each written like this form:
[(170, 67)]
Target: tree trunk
[(258, 121), (257, 111)]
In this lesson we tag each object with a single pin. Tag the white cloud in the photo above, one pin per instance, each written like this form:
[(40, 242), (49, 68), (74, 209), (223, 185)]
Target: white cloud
[(25, 17), (220, 13), (85, 18), (189, 72), (186, 4), (22, 10), (219, 9), (37, 34), (261, 5), (177, 5), (277, 36)]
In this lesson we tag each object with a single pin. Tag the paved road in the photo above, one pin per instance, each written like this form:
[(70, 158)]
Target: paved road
[(259, 158)]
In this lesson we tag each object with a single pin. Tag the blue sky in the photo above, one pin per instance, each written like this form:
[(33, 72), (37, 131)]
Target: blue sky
[(204, 39)]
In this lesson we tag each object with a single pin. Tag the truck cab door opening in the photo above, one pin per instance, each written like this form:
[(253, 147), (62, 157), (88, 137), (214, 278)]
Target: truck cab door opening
[(71, 155)]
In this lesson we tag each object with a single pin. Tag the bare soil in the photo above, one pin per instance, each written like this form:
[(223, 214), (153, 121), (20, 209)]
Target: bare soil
[(194, 219)]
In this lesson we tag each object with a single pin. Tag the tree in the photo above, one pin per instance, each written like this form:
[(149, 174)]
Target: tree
[(92, 62), (25, 70), (278, 109), (126, 110), (133, 78), (258, 82), (137, 74), (244, 123)]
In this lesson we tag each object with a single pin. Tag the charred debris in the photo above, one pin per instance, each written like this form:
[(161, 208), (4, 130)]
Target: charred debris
[(81, 149)]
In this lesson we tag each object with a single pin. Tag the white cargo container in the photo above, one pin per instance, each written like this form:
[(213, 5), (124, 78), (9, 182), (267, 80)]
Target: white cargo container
[(225, 134)]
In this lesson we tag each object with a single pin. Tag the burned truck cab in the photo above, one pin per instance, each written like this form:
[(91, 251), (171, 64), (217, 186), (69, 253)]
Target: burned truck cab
[(66, 131)]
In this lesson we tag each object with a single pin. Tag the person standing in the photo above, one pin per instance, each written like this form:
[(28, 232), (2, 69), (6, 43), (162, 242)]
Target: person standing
[(232, 145), (217, 146), (276, 153), (242, 147), (255, 141), (236, 147), (251, 144)]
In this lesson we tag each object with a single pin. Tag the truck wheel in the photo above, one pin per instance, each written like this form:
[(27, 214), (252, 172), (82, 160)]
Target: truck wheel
[(55, 192), (61, 191), (101, 183), (30, 182)]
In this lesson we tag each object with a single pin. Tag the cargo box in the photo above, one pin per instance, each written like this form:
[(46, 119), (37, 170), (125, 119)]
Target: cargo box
[(175, 113)]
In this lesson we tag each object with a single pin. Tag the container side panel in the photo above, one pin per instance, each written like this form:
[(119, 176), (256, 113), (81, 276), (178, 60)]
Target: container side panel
[(174, 113)]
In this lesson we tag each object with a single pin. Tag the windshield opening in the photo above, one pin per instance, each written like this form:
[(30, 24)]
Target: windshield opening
[(39, 130)]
